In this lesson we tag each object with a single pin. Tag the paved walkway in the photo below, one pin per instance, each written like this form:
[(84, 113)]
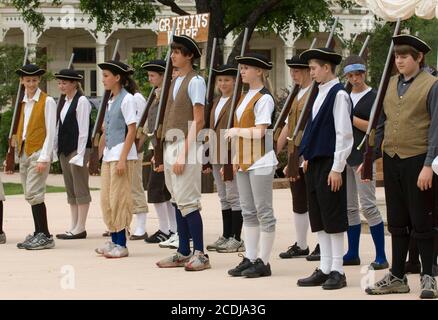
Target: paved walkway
[(73, 271)]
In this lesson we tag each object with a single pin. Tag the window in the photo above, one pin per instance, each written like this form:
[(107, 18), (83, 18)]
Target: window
[(84, 55)]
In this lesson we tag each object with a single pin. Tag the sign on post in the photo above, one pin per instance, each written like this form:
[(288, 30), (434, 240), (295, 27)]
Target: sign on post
[(194, 26)]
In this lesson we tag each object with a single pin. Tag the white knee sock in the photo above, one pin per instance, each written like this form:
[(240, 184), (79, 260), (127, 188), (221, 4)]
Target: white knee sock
[(266, 244), (74, 216), (163, 222), (252, 237), (337, 240), (301, 227), (171, 216), (140, 224), (82, 218), (326, 251)]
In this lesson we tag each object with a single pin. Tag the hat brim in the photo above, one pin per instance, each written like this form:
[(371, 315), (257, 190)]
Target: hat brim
[(406, 39), (255, 62), (115, 68), (65, 77), (190, 44), (292, 64), (23, 73), (153, 67), (318, 54), (226, 72)]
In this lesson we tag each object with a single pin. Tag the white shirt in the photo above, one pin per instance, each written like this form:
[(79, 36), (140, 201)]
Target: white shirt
[(196, 88), (219, 107), (263, 112), (435, 165), (140, 103), (300, 94), (343, 126), (83, 111), (50, 122), (129, 111), (355, 97)]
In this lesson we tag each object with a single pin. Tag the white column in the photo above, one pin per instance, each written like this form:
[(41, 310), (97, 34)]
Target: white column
[(228, 46), (30, 41), (100, 57), (289, 52)]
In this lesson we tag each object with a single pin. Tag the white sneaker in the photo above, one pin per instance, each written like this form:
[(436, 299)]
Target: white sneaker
[(117, 252), (108, 246), (172, 242)]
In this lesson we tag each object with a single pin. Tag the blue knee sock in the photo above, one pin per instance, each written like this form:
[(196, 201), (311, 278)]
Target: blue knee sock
[(121, 238), (353, 233), (195, 226), (114, 237), (378, 234), (183, 234)]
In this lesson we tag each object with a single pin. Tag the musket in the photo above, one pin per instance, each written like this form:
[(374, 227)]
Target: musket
[(369, 138), (209, 97), (293, 158), (12, 138), (158, 129), (228, 167), (93, 166), (348, 86), (143, 119), (279, 124), (61, 100)]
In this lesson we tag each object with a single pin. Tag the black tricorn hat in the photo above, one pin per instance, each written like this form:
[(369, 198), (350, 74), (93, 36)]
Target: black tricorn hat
[(323, 54), (116, 67), (155, 65), (30, 70), (297, 62), (225, 70), (68, 74), (255, 60), (412, 41), (189, 43)]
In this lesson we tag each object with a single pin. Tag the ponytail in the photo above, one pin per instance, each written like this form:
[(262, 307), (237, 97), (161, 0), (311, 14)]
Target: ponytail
[(129, 84)]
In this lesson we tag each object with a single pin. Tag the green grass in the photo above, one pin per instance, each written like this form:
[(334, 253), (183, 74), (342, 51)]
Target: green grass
[(17, 188)]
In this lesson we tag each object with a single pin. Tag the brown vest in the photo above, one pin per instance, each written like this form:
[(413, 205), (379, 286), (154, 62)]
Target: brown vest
[(179, 111), (36, 127), (221, 124), (294, 114), (250, 150), (407, 118)]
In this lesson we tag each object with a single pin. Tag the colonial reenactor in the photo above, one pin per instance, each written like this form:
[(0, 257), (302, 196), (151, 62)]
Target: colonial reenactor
[(158, 195), (119, 156), (409, 147), (228, 193), (362, 97), (183, 119), (326, 145), (300, 73), (255, 166), (72, 144), (35, 138)]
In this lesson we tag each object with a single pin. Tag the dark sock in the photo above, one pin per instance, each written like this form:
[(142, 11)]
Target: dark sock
[(121, 238), (435, 250), (194, 222), (378, 234), (1, 216), (425, 247), (39, 213), (353, 233), (400, 245), (183, 234), (414, 254), (227, 223), (114, 237), (237, 222)]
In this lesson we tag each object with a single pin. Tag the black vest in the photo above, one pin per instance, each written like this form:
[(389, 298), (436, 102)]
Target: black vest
[(362, 110), (68, 131)]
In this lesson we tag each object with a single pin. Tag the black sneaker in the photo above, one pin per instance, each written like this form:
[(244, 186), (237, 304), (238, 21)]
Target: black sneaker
[(39, 242), (317, 278), (294, 252), (243, 265), (257, 269), (315, 255), (379, 266), (28, 238), (335, 280), (157, 237)]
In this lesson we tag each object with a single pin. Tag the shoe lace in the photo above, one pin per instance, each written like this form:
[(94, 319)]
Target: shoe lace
[(428, 282), (243, 260), (387, 280)]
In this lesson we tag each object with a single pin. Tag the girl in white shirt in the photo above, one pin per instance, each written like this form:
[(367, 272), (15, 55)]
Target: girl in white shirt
[(255, 166)]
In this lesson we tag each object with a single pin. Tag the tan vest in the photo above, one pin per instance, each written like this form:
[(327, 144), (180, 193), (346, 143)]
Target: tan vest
[(179, 111), (221, 124), (294, 114), (250, 150), (36, 127), (407, 119)]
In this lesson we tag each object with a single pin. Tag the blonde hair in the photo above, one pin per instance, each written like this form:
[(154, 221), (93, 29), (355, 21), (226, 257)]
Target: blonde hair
[(267, 83), (79, 88)]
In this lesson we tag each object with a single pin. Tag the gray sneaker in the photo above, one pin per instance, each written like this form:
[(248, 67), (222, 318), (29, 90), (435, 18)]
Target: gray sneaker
[(198, 262), (40, 242), (232, 245), (108, 246), (389, 284), (2, 238), (219, 242), (174, 261), (26, 241), (428, 287), (117, 252)]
